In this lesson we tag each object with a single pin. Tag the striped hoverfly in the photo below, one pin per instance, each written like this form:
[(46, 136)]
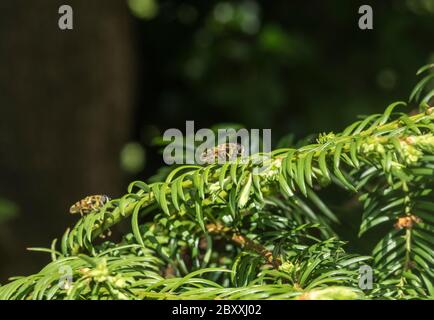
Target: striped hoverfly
[(222, 153), (89, 204)]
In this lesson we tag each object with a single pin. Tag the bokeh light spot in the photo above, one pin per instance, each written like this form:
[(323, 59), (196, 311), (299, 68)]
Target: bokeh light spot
[(133, 157), (143, 9), (386, 79), (224, 12)]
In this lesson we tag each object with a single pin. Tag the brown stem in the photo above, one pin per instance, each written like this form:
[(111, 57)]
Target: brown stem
[(244, 242)]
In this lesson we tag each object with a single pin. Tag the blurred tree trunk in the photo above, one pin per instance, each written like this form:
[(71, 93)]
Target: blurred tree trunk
[(65, 105)]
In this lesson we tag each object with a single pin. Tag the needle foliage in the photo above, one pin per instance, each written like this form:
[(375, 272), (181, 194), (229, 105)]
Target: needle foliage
[(233, 232)]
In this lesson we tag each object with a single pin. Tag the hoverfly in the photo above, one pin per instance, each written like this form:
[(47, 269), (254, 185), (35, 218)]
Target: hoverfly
[(222, 153), (88, 204)]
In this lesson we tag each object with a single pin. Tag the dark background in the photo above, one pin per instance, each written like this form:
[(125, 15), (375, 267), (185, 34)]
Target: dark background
[(80, 110)]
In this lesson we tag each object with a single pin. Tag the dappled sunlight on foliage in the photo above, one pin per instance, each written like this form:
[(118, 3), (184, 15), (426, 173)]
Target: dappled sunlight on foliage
[(230, 232)]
